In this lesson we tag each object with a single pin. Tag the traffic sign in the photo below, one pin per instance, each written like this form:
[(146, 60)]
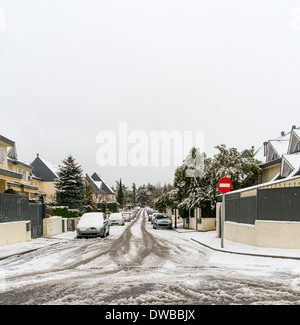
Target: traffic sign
[(224, 185)]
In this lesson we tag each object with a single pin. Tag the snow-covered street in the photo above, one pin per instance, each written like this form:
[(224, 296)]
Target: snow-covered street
[(139, 265)]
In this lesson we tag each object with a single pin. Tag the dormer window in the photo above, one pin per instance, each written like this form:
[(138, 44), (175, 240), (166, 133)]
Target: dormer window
[(294, 145)]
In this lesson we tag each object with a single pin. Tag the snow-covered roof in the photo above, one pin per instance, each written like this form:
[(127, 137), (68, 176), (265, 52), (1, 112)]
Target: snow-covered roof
[(276, 148), (293, 160), (98, 184), (52, 167), (297, 132), (290, 165), (101, 184), (44, 170), (294, 144), (280, 146)]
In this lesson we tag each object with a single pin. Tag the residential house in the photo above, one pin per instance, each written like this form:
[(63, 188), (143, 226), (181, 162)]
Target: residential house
[(267, 214), (44, 174), (280, 157), (102, 191), (15, 174)]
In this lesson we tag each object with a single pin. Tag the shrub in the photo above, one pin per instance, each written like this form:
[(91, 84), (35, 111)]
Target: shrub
[(64, 212)]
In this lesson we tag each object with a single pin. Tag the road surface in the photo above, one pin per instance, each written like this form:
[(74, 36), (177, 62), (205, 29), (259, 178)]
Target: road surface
[(139, 265)]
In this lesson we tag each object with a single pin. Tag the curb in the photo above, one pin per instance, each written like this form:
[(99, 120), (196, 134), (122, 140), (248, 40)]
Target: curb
[(249, 254), (25, 252), (187, 230)]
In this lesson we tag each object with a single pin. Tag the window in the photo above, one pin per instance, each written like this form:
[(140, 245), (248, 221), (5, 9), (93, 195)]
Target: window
[(2, 155), (20, 171)]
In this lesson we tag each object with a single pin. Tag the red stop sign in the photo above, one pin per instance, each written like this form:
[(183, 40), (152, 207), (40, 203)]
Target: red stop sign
[(224, 185)]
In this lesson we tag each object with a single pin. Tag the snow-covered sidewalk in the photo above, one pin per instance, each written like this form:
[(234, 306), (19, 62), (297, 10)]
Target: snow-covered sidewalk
[(34, 244), (210, 240)]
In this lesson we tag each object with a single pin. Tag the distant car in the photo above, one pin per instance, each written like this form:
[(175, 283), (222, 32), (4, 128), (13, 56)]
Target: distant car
[(127, 216), (137, 208), (133, 214), (92, 224), (117, 218), (161, 220)]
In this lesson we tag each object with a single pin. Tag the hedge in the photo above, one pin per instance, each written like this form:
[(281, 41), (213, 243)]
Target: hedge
[(64, 212)]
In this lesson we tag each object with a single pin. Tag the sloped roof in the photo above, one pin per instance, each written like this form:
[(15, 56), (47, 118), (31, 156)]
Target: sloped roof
[(297, 132), (294, 141), (293, 160), (284, 151), (93, 184), (101, 185), (7, 141), (280, 146), (290, 165), (276, 148), (44, 170)]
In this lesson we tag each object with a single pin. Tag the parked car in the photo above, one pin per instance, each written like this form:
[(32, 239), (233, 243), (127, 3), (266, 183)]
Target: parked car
[(93, 224), (117, 218), (153, 215), (127, 216), (150, 213), (133, 214), (161, 220)]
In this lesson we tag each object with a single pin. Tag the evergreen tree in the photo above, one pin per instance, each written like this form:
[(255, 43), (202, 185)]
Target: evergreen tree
[(70, 185), (120, 193), (143, 195)]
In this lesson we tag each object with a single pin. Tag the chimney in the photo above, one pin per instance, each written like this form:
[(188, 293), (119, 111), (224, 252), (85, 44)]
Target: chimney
[(282, 133), (265, 148), (293, 127)]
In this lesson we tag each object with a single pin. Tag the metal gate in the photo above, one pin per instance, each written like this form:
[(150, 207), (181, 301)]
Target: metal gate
[(15, 207), (36, 215)]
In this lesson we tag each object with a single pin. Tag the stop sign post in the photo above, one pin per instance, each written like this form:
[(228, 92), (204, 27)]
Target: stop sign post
[(224, 186)]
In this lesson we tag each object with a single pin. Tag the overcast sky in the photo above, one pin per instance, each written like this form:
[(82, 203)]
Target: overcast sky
[(70, 69)]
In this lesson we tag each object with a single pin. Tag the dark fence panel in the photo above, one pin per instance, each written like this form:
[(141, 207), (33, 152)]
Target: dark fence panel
[(247, 210), (17, 208), (281, 204), (231, 207), (13, 207), (278, 204)]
